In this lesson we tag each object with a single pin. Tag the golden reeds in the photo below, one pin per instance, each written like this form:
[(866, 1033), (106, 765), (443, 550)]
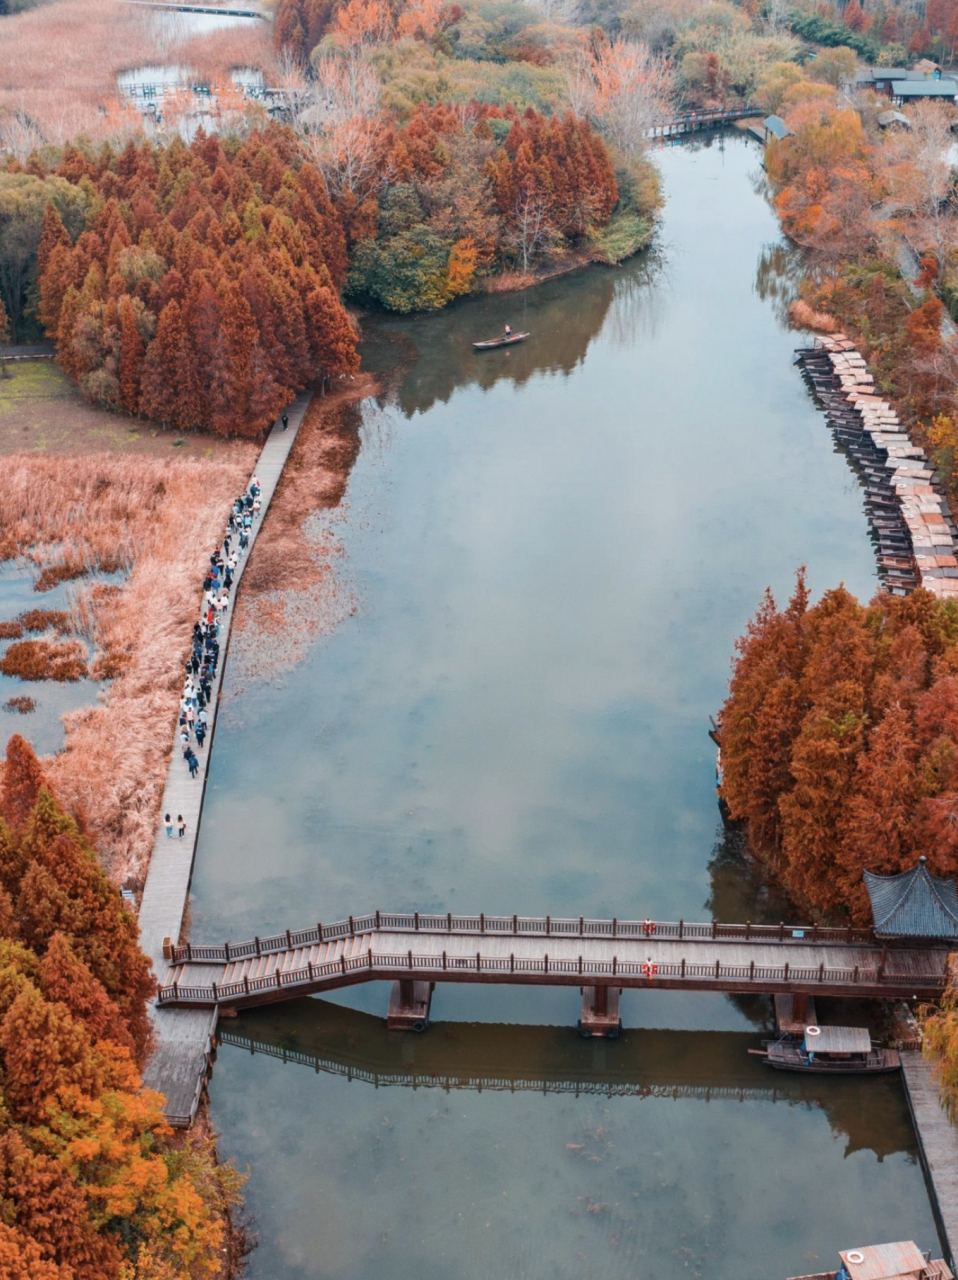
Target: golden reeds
[(160, 519)]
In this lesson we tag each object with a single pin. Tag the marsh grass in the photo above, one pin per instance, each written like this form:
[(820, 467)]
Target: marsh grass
[(159, 519)]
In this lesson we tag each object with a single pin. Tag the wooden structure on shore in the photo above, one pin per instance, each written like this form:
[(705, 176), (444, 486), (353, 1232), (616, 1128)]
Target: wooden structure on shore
[(916, 537), (937, 1144)]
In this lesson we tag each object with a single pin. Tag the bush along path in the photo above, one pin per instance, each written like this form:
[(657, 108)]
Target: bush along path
[(183, 1038)]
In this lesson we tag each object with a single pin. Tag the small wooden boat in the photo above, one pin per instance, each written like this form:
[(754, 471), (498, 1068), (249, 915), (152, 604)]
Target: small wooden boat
[(900, 1261), (836, 1051), (491, 343)]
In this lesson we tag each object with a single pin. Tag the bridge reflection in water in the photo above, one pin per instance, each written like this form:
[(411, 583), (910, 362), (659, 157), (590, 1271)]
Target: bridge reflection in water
[(703, 1065)]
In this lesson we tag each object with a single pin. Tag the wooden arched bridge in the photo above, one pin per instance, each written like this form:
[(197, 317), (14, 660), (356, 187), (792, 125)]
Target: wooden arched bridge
[(706, 118), (417, 950)]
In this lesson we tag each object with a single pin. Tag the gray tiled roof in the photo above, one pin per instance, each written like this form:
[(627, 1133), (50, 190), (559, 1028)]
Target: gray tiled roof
[(925, 89), (915, 904), (777, 126)]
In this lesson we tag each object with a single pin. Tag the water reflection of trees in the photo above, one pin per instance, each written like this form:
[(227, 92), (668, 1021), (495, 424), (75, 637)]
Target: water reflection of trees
[(678, 1065), (778, 275), (423, 361)]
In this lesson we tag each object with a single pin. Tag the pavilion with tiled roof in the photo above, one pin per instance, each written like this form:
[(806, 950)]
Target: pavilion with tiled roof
[(914, 904)]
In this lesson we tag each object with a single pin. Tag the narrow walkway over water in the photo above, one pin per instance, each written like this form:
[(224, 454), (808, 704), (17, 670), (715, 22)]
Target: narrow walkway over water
[(184, 1037), (938, 1143), (421, 949)]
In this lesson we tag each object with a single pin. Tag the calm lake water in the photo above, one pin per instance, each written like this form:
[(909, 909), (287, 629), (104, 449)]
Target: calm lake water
[(551, 551)]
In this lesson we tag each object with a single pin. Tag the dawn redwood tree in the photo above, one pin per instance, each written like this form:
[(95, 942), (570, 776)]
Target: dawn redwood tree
[(22, 781), (131, 357), (169, 388), (65, 978)]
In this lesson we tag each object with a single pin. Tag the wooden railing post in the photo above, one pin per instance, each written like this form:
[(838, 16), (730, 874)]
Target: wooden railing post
[(821, 972), (448, 922), (547, 963), (415, 921), (748, 930), (410, 958), (615, 965), (786, 971), (515, 924), (309, 969), (548, 925), (855, 974), (683, 967), (478, 963), (713, 928), (289, 938), (226, 948), (189, 951), (342, 962), (482, 922), (215, 994), (615, 926), (352, 928), (319, 935), (681, 927), (580, 964), (256, 941), (581, 926), (246, 983), (512, 962), (751, 971), (716, 970), (444, 959), (377, 919)]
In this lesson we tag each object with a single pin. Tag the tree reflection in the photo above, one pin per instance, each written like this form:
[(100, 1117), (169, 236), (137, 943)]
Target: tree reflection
[(423, 361)]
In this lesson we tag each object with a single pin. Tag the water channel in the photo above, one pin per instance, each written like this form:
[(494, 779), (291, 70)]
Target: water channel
[(550, 553)]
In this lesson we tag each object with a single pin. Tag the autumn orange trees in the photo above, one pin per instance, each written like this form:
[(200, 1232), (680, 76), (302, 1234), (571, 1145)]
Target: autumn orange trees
[(193, 293), (460, 202), (840, 741), (89, 1188)]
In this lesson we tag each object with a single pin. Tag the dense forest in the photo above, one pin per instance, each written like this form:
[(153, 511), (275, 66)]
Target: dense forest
[(203, 287), (92, 1186), (840, 741)]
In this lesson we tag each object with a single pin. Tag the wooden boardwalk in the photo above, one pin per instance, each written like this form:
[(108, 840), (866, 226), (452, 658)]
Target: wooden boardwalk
[(427, 949), (694, 121), (183, 1037), (938, 1142)]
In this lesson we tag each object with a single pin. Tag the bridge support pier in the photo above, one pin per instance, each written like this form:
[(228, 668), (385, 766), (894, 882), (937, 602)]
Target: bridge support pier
[(793, 1013), (600, 1012), (409, 1005)]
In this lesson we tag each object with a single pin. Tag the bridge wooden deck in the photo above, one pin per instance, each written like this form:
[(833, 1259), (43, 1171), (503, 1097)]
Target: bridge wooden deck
[(183, 1037), (428, 949), (694, 121)]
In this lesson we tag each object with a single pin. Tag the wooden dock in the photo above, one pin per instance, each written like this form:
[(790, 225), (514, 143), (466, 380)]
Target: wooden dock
[(184, 1037), (938, 1143)]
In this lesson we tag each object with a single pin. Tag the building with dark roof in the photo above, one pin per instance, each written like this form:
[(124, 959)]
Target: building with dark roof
[(914, 904), (919, 90)]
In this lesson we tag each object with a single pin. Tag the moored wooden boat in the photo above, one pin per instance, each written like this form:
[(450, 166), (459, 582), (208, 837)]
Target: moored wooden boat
[(900, 1261), (512, 339), (837, 1051)]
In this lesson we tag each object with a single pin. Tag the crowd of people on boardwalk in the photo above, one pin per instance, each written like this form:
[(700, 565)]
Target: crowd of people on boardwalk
[(204, 657)]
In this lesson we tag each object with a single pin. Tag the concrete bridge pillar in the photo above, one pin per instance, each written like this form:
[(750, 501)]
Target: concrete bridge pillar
[(600, 1012), (409, 1004)]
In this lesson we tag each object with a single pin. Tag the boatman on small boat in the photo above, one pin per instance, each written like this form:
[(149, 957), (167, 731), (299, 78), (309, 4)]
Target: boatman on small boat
[(508, 330)]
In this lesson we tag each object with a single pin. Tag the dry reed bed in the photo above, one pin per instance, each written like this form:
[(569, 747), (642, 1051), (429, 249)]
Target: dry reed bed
[(59, 63), (161, 518)]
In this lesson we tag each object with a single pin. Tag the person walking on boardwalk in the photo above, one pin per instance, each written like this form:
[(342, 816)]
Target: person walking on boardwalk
[(169, 826), (200, 732), (285, 420), (193, 763), (181, 825)]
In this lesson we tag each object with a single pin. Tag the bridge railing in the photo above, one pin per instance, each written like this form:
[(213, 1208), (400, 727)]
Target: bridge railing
[(483, 925), (374, 965)]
